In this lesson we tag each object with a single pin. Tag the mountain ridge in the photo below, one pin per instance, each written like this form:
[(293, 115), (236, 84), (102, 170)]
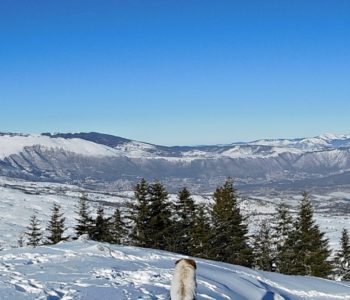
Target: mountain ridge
[(107, 161), (113, 140)]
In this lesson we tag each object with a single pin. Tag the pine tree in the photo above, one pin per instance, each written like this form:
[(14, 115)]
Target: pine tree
[(140, 214), (159, 228), (118, 228), (200, 235), (342, 258), (101, 229), (84, 220), (34, 233), (263, 251), (229, 242), (21, 241), (185, 211), (309, 248), (282, 232), (56, 226)]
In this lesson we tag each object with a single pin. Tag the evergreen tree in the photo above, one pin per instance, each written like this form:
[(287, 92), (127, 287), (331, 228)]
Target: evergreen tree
[(101, 229), (140, 214), (263, 251), (159, 227), (229, 242), (282, 232), (118, 228), (309, 248), (34, 233), (342, 258), (56, 225), (84, 221), (185, 211), (21, 241), (200, 235)]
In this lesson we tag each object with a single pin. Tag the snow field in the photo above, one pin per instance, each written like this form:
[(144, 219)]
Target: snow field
[(90, 270)]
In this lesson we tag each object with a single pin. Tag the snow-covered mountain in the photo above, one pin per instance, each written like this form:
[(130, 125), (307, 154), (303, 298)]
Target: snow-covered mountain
[(100, 160), (318, 143), (90, 270)]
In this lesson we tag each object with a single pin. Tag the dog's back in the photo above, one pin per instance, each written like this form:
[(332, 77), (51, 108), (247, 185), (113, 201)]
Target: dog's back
[(183, 285)]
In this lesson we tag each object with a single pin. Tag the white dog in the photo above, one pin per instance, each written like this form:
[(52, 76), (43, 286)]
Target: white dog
[(183, 285)]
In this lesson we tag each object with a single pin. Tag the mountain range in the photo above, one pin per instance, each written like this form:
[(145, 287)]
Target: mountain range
[(103, 161)]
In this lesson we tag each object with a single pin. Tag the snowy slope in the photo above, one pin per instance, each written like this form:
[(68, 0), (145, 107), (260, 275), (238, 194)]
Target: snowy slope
[(317, 143), (88, 270), (91, 271), (20, 199), (15, 144)]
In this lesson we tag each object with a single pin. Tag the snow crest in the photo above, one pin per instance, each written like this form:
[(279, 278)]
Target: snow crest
[(15, 144)]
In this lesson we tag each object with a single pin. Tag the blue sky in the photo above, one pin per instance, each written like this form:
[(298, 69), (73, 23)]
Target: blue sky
[(176, 72)]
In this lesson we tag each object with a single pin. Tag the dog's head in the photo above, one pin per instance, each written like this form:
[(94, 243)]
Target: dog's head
[(187, 261)]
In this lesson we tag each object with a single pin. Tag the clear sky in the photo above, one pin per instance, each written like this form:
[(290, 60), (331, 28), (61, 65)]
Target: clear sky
[(176, 72)]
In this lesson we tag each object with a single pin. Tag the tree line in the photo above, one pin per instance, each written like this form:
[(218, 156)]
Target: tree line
[(218, 231)]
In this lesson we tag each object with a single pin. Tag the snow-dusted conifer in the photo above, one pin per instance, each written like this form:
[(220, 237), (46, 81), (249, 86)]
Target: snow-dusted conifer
[(159, 228), (309, 250), (342, 258), (263, 252), (56, 226), (21, 240), (34, 233), (282, 230), (201, 233), (185, 212), (229, 242), (118, 228), (84, 221), (139, 214), (101, 228)]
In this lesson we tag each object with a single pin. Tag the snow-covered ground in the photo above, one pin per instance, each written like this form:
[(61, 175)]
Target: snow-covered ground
[(95, 271), (20, 199)]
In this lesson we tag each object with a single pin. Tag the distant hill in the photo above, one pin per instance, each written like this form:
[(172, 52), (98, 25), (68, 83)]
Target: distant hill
[(105, 161)]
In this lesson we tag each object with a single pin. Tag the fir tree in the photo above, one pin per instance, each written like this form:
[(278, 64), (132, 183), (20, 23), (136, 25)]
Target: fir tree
[(309, 248), (342, 258), (185, 211), (140, 214), (21, 241), (84, 221), (263, 251), (34, 232), (282, 232), (158, 234), (101, 229), (200, 235), (229, 242), (56, 226), (118, 228)]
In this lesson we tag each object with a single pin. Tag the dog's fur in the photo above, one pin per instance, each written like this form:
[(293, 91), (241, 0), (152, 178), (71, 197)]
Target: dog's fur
[(183, 285)]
